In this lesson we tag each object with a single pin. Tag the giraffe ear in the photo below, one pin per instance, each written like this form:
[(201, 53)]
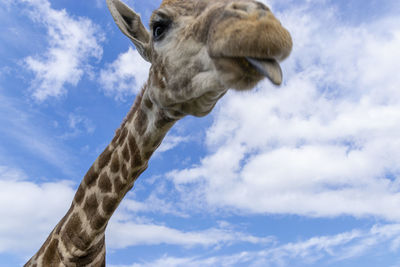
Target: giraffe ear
[(131, 25)]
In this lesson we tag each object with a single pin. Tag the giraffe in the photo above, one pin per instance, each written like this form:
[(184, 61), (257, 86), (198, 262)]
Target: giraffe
[(198, 49)]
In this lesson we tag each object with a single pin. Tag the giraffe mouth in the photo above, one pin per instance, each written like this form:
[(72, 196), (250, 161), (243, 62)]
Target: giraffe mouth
[(269, 68)]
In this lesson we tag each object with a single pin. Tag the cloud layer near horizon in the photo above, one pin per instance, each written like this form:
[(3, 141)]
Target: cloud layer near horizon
[(338, 247)]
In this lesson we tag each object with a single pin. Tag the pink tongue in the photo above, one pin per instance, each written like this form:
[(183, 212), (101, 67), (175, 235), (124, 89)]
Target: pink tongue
[(269, 68)]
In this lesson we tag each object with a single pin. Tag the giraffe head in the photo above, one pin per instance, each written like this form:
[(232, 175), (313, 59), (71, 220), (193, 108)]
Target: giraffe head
[(201, 48)]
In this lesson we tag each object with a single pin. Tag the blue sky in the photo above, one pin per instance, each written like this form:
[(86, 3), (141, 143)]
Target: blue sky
[(302, 175)]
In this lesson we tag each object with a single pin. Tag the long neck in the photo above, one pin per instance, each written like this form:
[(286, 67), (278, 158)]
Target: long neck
[(79, 236)]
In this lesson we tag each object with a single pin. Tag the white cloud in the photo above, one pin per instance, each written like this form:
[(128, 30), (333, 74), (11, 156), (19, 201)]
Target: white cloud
[(11, 175), (127, 228), (29, 211), (72, 42), (332, 249), (125, 76), (325, 144), (78, 124), (74, 120), (122, 234), (153, 204), (171, 141), (99, 3)]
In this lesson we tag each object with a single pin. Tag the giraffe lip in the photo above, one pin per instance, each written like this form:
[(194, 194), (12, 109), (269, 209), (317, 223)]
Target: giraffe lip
[(269, 68)]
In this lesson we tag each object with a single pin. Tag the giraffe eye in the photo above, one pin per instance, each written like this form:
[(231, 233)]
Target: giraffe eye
[(159, 29)]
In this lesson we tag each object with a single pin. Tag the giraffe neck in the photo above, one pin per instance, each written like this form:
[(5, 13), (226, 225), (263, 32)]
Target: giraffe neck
[(79, 236)]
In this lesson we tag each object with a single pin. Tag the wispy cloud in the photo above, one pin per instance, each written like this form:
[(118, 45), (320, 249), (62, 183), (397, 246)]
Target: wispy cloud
[(9, 174), (22, 127), (123, 234), (153, 204), (171, 141), (78, 124), (72, 42)]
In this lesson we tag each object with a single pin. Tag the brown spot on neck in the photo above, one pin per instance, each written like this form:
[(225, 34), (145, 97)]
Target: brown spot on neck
[(110, 204), (91, 255), (141, 122), (51, 256), (90, 177), (105, 158), (98, 222), (115, 163), (91, 206), (73, 235), (124, 172), (104, 183), (122, 136), (136, 159), (119, 185), (125, 153), (80, 194)]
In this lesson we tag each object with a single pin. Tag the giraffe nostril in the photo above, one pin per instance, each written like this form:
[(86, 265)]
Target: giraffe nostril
[(262, 6), (240, 7), (248, 7)]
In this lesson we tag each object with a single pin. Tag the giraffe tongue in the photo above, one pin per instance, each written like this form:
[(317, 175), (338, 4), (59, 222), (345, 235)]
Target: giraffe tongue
[(269, 68)]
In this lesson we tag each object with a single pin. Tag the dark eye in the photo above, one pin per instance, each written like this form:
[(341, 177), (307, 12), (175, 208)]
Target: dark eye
[(159, 29)]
